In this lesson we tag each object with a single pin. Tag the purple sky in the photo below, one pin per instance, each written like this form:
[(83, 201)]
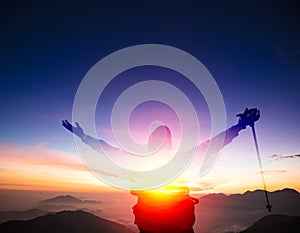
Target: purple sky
[(250, 48)]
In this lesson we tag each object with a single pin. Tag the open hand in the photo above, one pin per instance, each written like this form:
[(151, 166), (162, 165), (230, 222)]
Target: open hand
[(74, 129)]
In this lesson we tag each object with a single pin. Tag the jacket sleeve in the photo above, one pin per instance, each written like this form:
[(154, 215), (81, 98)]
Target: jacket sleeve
[(97, 144), (227, 136)]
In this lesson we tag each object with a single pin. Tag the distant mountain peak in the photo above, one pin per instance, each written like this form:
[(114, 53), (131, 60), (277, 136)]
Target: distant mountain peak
[(63, 197), (253, 192), (261, 190), (288, 190), (66, 199), (215, 195)]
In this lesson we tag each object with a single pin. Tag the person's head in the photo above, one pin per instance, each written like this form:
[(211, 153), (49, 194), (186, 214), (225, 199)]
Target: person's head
[(160, 139)]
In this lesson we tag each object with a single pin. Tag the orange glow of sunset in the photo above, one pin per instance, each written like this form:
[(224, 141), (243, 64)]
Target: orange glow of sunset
[(41, 168)]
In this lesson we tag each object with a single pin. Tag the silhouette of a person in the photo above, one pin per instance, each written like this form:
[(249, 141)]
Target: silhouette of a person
[(169, 210)]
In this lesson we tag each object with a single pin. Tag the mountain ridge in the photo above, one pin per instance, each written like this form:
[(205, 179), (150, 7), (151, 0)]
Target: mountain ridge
[(65, 221), (275, 223), (252, 192), (69, 199), (20, 215), (239, 211)]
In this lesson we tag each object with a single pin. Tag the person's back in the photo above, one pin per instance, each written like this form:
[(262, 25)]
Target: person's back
[(165, 210)]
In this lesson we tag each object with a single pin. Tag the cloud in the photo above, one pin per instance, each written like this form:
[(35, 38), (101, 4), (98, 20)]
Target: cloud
[(38, 156), (39, 166), (272, 172), (280, 157)]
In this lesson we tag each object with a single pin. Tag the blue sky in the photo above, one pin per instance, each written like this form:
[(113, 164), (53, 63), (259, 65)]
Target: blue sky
[(251, 48)]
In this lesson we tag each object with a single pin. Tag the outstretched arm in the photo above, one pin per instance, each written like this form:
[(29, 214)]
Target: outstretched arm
[(96, 144)]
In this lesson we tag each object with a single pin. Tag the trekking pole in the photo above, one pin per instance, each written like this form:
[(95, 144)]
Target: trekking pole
[(268, 206)]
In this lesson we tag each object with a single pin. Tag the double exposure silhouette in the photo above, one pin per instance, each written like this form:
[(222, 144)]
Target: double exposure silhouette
[(169, 209)]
